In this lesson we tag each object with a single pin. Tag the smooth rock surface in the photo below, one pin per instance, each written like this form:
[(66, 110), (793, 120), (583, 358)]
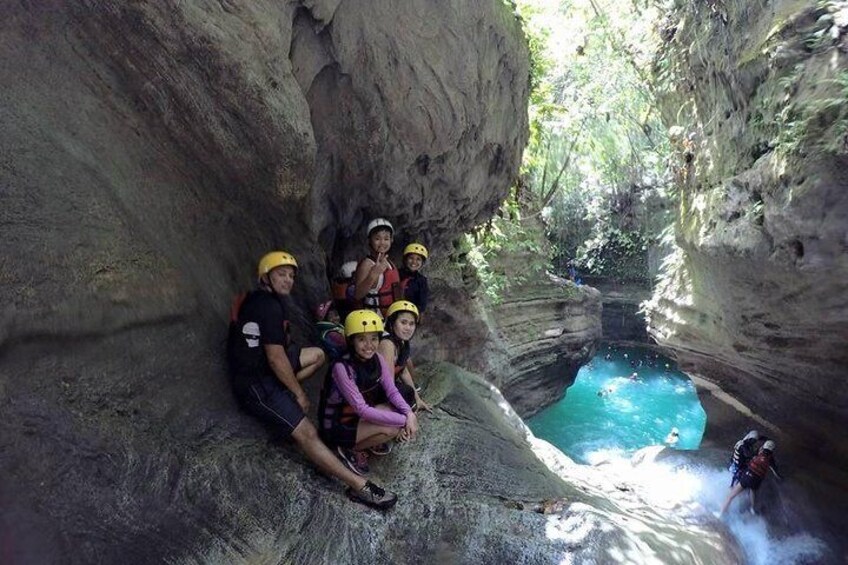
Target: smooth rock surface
[(150, 153), (547, 327), (550, 327)]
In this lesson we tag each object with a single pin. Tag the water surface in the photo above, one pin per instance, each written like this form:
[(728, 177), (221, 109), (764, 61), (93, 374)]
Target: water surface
[(626, 398)]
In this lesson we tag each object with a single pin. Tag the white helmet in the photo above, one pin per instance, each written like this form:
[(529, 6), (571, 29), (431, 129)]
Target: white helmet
[(753, 434), (346, 271), (769, 445), (379, 223), (675, 432)]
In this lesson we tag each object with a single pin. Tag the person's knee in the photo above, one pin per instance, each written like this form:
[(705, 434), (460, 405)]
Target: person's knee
[(313, 356), (305, 432)]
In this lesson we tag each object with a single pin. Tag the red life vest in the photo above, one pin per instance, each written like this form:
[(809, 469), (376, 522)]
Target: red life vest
[(759, 465), (388, 292)]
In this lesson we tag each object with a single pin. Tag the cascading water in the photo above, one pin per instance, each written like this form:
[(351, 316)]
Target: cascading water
[(619, 422)]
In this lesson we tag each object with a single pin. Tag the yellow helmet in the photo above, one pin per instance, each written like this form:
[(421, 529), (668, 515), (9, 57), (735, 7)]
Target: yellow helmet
[(362, 322), (402, 306), (274, 259), (416, 248)]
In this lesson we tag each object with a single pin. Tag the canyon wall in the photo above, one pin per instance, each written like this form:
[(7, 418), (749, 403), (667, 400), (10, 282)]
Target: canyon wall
[(150, 153), (755, 297), (549, 327)]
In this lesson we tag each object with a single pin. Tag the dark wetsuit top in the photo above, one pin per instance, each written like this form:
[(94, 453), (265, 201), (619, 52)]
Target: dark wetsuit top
[(402, 352), (415, 288)]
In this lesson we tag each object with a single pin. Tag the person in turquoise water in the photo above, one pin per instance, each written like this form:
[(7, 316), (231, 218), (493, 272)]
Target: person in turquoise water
[(753, 475), (673, 437)]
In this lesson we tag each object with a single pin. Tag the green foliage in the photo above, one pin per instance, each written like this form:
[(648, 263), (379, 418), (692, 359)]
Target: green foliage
[(815, 123), (596, 165), (616, 254), (505, 236)]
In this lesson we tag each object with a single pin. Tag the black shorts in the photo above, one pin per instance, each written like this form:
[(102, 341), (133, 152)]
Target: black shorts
[(406, 391), (271, 402), (750, 480), (341, 435)]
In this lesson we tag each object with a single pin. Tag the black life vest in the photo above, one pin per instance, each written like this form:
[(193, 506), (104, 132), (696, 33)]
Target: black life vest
[(367, 377), (402, 352), (742, 453)]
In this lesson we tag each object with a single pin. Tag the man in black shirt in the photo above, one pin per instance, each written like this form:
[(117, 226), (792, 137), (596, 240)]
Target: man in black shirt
[(265, 376)]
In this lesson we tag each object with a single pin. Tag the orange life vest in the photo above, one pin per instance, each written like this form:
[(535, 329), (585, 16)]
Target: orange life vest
[(759, 465), (388, 292)]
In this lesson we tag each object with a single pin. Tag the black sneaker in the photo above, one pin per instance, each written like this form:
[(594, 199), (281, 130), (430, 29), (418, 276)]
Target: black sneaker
[(356, 462), (373, 496)]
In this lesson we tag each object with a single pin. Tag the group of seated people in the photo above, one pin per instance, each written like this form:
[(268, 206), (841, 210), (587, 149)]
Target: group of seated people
[(369, 398)]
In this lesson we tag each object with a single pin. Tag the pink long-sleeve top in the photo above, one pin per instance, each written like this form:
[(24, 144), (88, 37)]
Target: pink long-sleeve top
[(348, 389)]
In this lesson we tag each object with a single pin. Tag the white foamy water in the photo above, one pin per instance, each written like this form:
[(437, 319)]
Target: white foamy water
[(696, 493)]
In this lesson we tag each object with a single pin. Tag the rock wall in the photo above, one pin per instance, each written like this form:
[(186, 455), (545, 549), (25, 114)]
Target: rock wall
[(550, 327), (622, 317), (756, 296), (544, 327), (149, 154)]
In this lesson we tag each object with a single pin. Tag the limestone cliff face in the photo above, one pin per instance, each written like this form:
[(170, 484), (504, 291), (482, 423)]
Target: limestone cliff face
[(622, 317), (550, 328), (544, 328), (149, 154), (756, 296)]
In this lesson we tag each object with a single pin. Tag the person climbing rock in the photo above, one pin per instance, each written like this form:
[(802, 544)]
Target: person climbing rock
[(401, 322), (752, 476), (412, 281), (361, 407), (743, 451), (377, 279), (266, 376)]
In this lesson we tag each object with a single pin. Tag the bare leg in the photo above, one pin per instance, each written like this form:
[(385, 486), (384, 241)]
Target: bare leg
[(311, 359), (306, 437), (753, 496), (734, 492), (369, 434)]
